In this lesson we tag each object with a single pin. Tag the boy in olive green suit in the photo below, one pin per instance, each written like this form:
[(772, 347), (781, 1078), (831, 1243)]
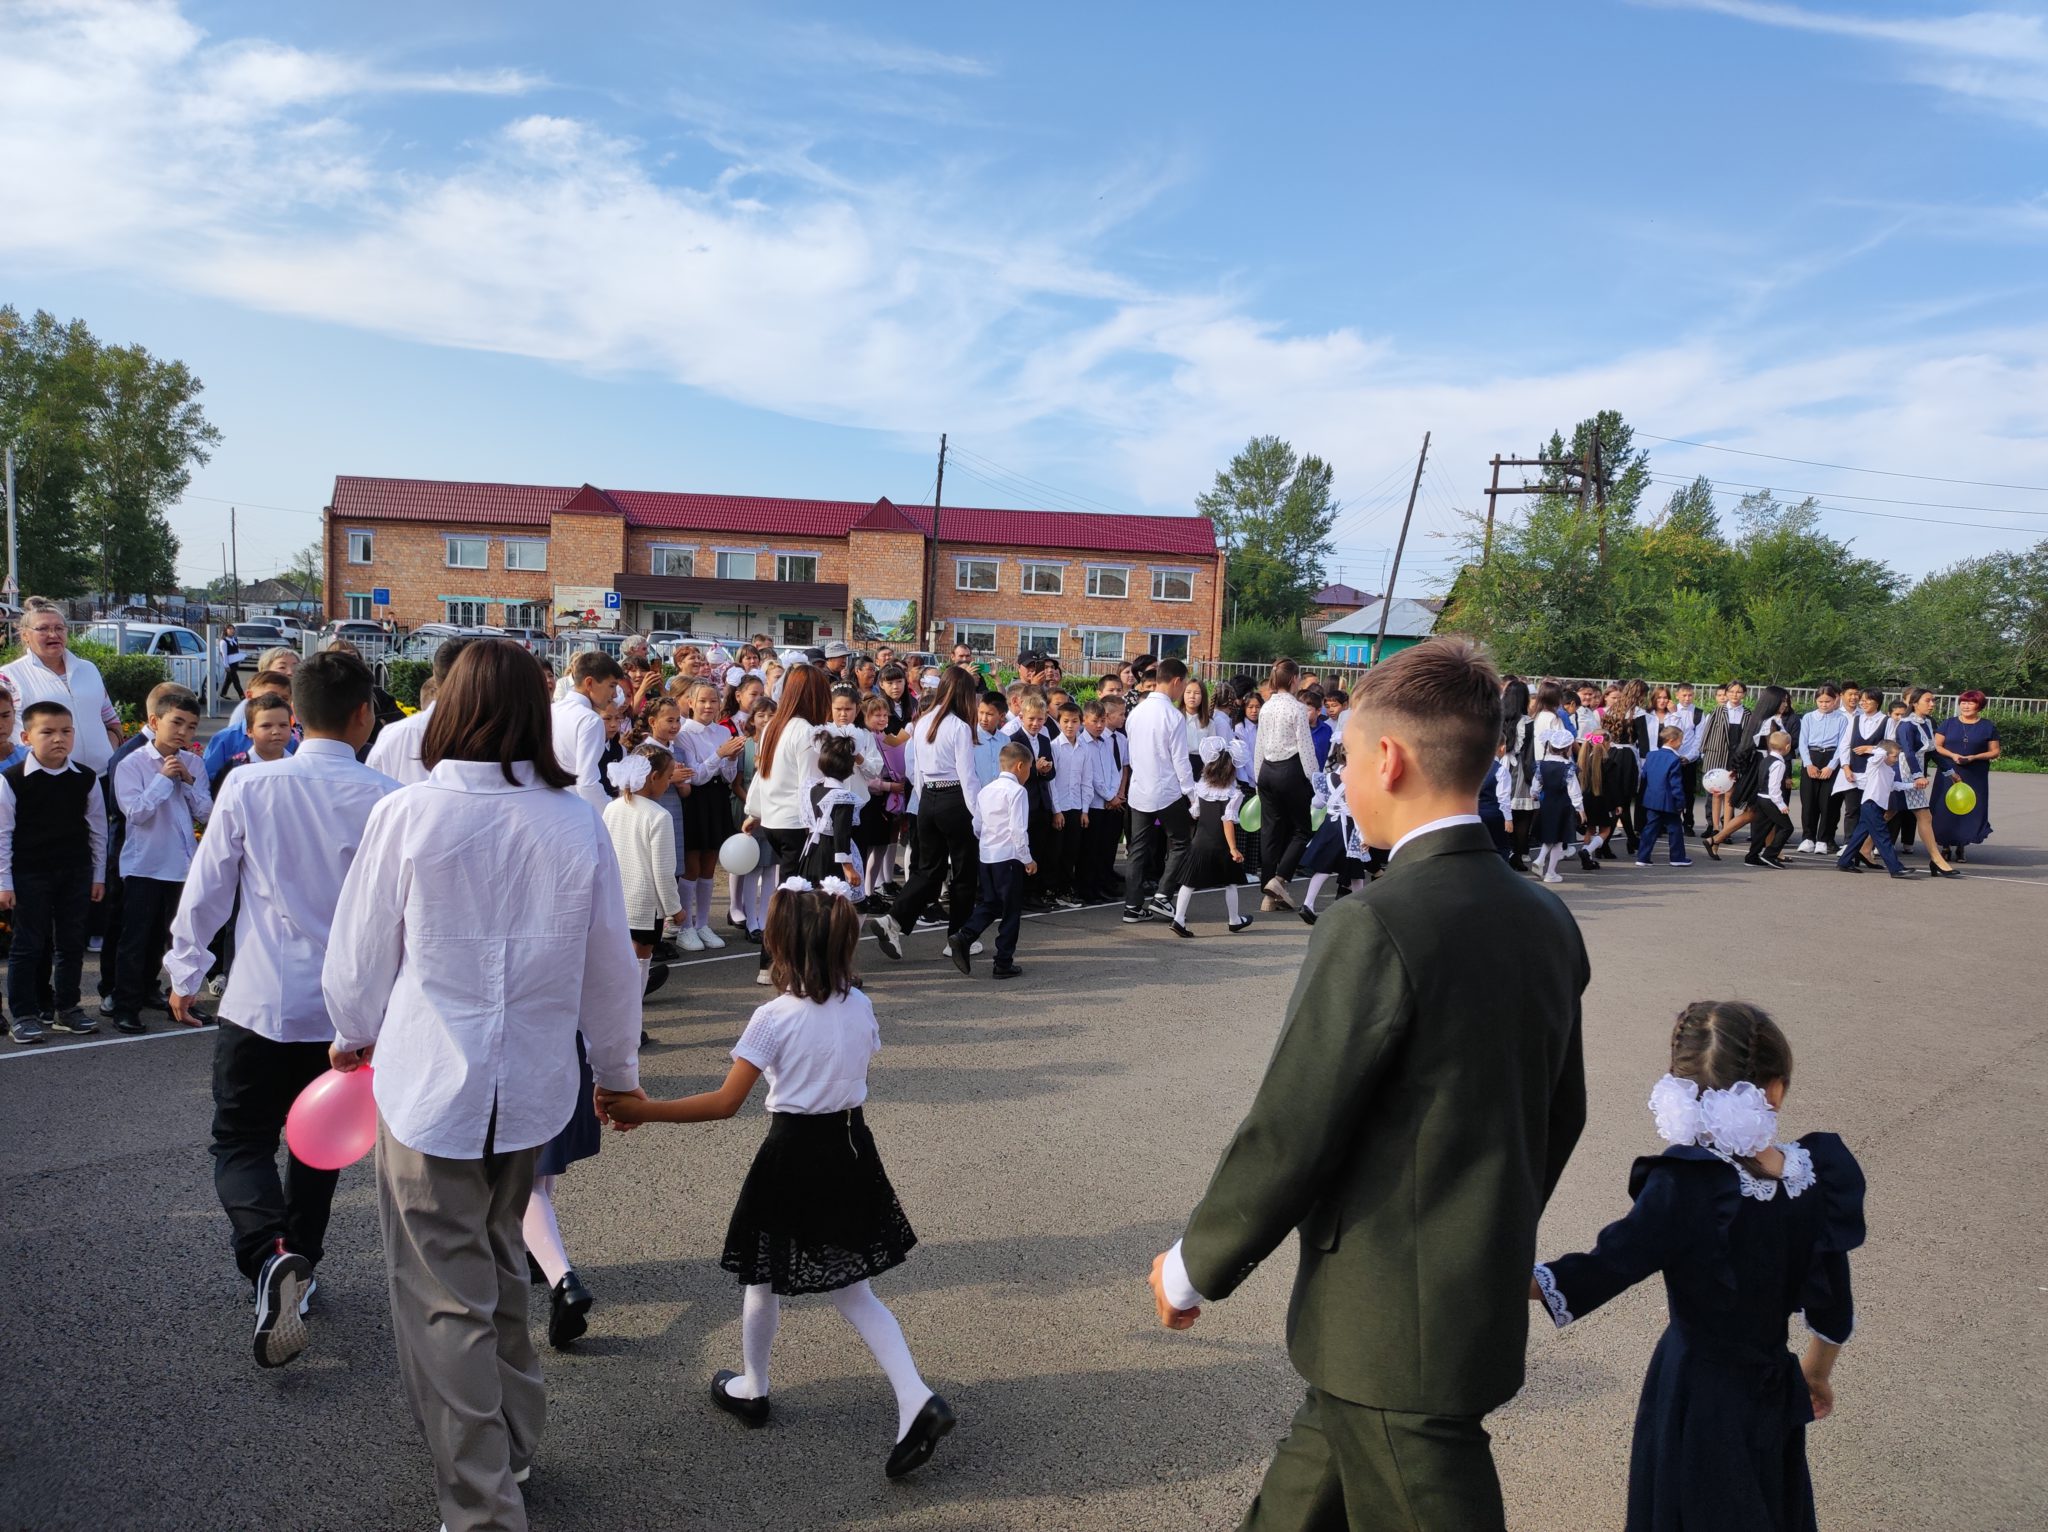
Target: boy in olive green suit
[(1424, 1095)]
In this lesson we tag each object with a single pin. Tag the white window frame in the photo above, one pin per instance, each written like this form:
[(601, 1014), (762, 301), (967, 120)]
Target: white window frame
[(1121, 571), (524, 543), (1029, 567), (659, 552), (526, 614), (1164, 572), (1044, 637), (450, 616), (1157, 651), (968, 632), (449, 541), (781, 578), (360, 608), (1090, 652), (720, 555), (369, 537), (961, 580)]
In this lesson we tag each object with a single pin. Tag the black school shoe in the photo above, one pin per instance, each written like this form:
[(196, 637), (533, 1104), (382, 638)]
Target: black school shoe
[(1243, 921), (958, 948), (132, 1025), (567, 1306), (934, 1421), (657, 975), (750, 1412), (1007, 971)]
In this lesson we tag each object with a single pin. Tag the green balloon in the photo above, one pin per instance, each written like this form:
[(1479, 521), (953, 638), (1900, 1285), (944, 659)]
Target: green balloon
[(1316, 816), (1961, 798), (1249, 814)]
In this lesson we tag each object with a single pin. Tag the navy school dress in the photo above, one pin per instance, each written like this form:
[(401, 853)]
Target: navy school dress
[(1720, 1434), (1557, 822)]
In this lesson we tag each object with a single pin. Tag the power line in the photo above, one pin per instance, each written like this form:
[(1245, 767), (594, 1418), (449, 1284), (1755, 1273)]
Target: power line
[(1933, 521), (1933, 505), (295, 510), (1889, 473)]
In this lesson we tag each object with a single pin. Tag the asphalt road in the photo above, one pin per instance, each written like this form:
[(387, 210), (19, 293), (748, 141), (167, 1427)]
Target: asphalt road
[(1047, 1138)]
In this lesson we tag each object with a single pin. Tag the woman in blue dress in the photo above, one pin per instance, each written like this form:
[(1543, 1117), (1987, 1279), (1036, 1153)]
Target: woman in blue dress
[(1746, 1231), (1967, 744)]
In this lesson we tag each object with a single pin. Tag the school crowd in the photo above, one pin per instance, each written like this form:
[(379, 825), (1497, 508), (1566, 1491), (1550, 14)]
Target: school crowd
[(474, 900)]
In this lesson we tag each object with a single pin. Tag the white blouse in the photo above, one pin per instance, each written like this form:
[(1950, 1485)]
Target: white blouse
[(814, 1053), (775, 797), (1284, 735)]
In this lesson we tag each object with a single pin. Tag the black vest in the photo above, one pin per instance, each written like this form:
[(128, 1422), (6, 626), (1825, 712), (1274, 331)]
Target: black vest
[(49, 815)]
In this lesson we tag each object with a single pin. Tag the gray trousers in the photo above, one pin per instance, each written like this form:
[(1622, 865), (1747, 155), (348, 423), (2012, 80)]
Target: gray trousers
[(457, 1265), (1348, 1466)]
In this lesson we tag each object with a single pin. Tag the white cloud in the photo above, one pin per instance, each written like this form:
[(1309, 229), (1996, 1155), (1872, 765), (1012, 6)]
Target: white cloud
[(836, 48)]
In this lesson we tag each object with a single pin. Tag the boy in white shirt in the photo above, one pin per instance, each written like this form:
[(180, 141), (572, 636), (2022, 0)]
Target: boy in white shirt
[(1106, 766), (1073, 794), (162, 792), (1005, 810), (1878, 777)]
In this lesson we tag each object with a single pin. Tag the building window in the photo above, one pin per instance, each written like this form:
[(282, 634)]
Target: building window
[(797, 632), (1168, 646), (797, 566), (1044, 640), (1173, 585), (674, 561), (1102, 644), (1044, 580), (981, 639), (362, 546), (469, 553), (464, 614), (359, 608), (735, 566), (526, 553), (1105, 581), (526, 614), (670, 619), (975, 574)]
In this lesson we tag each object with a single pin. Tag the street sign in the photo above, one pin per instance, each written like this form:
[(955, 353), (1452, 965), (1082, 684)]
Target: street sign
[(611, 601), (381, 596)]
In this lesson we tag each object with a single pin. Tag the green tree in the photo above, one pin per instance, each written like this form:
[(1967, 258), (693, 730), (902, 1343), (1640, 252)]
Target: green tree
[(1272, 512), (108, 437), (1690, 511), (305, 570), (1981, 623)]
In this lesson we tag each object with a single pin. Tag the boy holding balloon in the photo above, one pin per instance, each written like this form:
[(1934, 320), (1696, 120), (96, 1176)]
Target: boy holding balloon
[(282, 836)]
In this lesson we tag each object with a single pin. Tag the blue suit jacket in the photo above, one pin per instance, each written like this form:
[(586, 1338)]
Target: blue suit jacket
[(1664, 782)]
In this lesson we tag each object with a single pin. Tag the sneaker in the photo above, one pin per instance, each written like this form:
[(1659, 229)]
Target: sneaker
[(133, 1026), (762, 979), (1643, 861), (1159, 904), (1551, 877), (709, 939), (1682, 862), (280, 1322), (27, 1030), (688, 939), (974, 949), (1825, 848), (1807, 847), (1769, 860), (888, 936), (1277, 892), (73, 1019), (1754, 859), (1239, 924), (1067, 901), (217, 986), (95, 944), (1136, 917)]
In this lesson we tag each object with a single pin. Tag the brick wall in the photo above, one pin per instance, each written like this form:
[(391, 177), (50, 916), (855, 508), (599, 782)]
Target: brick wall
[(1011, 609), (885, 566), (830, 552), (411, 560)]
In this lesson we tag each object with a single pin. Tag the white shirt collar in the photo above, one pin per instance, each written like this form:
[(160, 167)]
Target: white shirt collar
[(483, 776), (29, 764), (1434, 825), (337, 748)]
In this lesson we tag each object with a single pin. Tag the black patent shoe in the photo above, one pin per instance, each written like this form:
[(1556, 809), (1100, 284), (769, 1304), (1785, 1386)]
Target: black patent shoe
[(915, 1450), (567, 1307), (749, 1412), (1944, 872)]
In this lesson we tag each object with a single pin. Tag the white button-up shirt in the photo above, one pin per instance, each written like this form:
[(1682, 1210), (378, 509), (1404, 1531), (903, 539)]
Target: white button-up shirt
[(1005, 810), (1158, 735), (948, 757), (80, 689), (1105, 767), (95, 822), (397, 751), (1073, 780), (579, 747), (282, 835), (161, 813), (481, 926)]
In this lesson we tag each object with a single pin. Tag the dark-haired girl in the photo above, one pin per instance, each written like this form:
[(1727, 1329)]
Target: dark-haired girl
[(1517, 732), (1746, 1231), (817, 1213), (1749, 762)]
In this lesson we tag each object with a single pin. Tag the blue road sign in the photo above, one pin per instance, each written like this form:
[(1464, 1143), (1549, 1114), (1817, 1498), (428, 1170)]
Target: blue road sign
[(381, 596), (611, 601)]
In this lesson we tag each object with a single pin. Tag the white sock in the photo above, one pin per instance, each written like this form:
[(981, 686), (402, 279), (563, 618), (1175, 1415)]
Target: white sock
[(1315, 886), (1230, 901), (1181, 901), (543, 1232), (1595, 843), (707, 901), (1552, 855), (760, 1314), (860, 1308), (645, 964)]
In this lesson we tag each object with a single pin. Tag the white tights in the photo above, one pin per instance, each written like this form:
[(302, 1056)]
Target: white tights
[(1315, 886), (1186, 897), (761, 1313), (543, 1232), (1548, 858)]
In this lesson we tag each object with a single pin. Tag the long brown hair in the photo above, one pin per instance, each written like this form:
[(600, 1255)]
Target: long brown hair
[(806, 696), (493, 706), (811, 940), (957, 692)]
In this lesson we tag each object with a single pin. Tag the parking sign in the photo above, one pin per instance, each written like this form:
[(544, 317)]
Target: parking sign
[(611, 601)]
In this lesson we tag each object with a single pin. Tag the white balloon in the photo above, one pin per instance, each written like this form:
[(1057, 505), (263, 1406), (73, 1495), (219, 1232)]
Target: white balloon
[(740, 855), (1719, 780)]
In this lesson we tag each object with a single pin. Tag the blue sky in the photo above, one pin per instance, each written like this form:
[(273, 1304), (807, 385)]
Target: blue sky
[(668, 246)]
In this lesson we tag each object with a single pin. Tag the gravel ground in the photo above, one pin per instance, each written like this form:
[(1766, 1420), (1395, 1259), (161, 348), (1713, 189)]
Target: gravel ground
[(1047, 1137)]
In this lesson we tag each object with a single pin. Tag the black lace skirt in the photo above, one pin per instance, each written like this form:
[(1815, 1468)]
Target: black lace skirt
[(817, 1212)]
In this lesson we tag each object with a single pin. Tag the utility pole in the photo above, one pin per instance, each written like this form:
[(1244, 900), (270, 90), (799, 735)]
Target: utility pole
[(235, 569), (1486, 553), (1599, 483), (1577, 465), (1400, 543), (13, 564), (931, 582)]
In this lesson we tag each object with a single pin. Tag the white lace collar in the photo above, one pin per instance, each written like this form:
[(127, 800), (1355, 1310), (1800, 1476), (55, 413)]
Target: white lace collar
[(1797, 1178)]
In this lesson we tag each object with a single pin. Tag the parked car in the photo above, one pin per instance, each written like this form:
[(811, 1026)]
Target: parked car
[(182, 651), (662, 642), (355, 629), (257, 633)]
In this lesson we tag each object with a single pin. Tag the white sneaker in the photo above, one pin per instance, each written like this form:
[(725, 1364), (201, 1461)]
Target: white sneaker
[(708, 939), (688, 939), (1806, 846), (1826, 848), (1551, 877), (761, 978), (974, 949)]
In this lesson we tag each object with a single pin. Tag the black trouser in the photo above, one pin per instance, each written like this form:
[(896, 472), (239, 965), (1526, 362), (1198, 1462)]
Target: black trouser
[(1777, 826), (1098, 854), (1285, 803), (105, 921), (788, 846), (232, 686), (52, 898), (147, 905), (1070, 862), (255, 1082), (1045, 855), (999, 902), (1690, 771), (945, 839), (1167, 832), (1819, 809)]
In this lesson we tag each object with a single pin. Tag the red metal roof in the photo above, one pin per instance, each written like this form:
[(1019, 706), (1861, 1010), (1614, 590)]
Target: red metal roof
[(360, 499)]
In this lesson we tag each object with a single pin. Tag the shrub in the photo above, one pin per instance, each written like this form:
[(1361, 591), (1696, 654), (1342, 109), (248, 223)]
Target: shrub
[(1256, 641), (404, 678), (2023, 735), (128, 677)]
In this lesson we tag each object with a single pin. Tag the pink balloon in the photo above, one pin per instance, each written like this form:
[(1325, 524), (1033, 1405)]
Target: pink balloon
[(334, 1121)]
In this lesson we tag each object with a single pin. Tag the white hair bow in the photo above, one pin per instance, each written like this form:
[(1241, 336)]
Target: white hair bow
[(1737, 1121), (630, 773), (734, 675), (796, 885), (837, 886)]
